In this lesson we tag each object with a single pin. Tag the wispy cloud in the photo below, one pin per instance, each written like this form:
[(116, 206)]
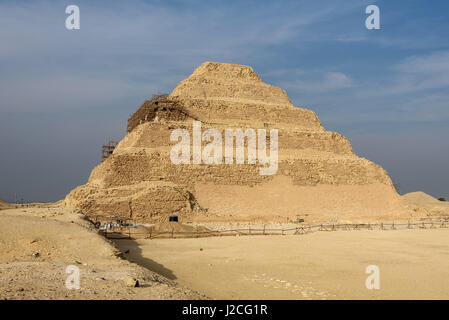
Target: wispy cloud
[(423, 72), (414, 75), (329, 82), (415, 89)]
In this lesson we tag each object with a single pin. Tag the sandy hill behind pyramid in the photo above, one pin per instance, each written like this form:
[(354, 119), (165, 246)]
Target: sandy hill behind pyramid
[(422, 201), (319, 177)]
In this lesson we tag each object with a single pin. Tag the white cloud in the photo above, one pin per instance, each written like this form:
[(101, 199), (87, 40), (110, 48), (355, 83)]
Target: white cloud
[(437, 62), (419, 73), (330, 81), (337, 80)]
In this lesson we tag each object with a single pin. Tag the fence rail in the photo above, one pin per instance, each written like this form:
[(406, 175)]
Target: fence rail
[(132, 232)]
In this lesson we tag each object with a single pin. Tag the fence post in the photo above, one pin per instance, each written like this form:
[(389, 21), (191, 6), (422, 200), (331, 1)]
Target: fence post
[(264, 229)]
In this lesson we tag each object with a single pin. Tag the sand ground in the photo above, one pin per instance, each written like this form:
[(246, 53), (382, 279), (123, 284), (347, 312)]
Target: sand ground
[(413, 264)]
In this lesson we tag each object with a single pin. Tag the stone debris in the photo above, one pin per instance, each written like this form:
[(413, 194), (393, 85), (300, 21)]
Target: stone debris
[(131, 282)]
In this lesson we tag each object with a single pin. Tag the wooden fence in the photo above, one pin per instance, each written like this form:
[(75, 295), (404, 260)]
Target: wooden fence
[(132, 232)]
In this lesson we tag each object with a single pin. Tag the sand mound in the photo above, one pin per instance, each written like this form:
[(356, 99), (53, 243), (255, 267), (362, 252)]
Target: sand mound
[(420, 197), (4, 205), (422, 201), (318, 175)]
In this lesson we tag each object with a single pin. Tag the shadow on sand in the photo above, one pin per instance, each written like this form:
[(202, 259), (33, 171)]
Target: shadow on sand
[(135, 255)]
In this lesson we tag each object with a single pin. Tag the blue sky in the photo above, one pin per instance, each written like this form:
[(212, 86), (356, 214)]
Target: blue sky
[(64, 93)]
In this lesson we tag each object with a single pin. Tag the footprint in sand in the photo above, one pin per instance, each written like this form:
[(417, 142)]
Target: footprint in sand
[(306, 291)]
